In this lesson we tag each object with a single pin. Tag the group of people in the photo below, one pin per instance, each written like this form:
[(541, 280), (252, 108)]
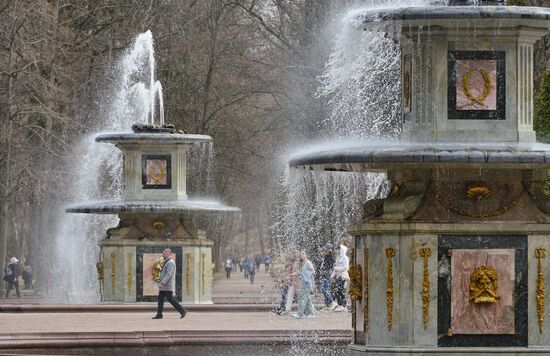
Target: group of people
[(248, 265), (11, 277), (299, 277)]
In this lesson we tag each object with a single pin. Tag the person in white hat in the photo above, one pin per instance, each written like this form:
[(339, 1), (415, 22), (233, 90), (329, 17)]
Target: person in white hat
[(11, 274)]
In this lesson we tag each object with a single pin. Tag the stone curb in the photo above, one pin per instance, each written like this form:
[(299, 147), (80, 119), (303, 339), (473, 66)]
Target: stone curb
[(171, 338)]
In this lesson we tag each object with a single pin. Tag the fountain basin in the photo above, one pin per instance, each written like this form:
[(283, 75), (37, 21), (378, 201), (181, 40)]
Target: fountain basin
[(382, 156), (143, 138), (166, 207), (440, 15)]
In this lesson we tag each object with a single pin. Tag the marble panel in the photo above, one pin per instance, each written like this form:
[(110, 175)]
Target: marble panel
[(468, 317)]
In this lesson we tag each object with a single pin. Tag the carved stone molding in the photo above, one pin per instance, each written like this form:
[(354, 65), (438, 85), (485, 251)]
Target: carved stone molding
[(404, 202)]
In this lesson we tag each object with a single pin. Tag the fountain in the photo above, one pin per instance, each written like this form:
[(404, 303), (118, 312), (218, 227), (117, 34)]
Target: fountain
[(154, 210), (452, 260)]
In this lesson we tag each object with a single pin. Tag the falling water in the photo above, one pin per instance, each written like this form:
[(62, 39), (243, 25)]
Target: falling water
[(362, 85), (95, 174)]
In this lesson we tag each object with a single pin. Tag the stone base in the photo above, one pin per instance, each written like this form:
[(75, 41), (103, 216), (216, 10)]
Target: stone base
[(357, 350), (127, 270)]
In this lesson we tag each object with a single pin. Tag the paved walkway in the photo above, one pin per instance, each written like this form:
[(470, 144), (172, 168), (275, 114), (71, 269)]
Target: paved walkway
[(237, 289), (130, 322), (240, 316)]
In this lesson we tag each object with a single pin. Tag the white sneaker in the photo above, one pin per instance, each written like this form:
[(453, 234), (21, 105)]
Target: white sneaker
[(311, 316), (340, 309), (333, 306), (296, 316)]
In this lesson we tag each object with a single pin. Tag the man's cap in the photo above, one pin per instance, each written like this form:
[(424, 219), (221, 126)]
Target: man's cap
[(13, 259), (328, 246)]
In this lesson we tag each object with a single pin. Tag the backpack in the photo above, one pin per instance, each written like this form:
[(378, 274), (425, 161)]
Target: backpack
[(8, 274)]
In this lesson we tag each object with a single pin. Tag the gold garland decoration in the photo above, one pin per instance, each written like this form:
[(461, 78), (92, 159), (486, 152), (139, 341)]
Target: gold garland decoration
[(203, 276), (540, 254), (407, 89), (390, 252), (188, 273), (130, 279), (480, 100), (353, 302), (113, 272), (475, 214), (100, 270), (366, 284), (355, 288), (426, 252)]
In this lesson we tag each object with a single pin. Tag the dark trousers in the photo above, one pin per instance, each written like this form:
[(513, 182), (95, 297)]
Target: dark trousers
[(339, 291), (168, 295), (14, 283)]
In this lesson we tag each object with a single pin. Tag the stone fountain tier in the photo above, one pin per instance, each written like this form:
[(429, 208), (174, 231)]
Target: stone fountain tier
[(154, 213), (470, 190), (152, 137), (147, 206), (388, 155), (487, 16)]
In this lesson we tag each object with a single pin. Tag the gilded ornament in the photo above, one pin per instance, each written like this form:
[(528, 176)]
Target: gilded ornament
[(540, 254), (100, 270), (390, 252), (155, 270), (353, 302), (407, 89), (478, 192), (158, 225), (203, 276), (130, 274), (425, 252), (188, 274), (480, 100), (477, 214), (366, 284), (484, 285), (546, 187), (396, 188), (356, 287), (113, 272)]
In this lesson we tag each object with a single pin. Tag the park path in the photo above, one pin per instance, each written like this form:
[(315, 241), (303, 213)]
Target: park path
[(239, 290)]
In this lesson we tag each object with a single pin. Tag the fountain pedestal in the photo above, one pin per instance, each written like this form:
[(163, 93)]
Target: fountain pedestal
[(452, 260), (154, 214)]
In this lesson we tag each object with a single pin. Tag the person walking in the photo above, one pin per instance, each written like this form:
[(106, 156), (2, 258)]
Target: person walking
[(267, 261), (307, 285), (11, 275), (258, 261), (294, 274), (325, 271), (251, 271), (339, 277), (27, 276), (286, 282), (167, 285), (228, 268)]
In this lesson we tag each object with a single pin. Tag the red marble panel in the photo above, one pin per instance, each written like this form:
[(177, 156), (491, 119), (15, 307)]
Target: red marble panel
[(482, 318)]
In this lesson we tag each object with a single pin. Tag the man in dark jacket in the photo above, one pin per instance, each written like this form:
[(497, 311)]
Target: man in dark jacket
[(11, 275), (167, 285), (325, 271)]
